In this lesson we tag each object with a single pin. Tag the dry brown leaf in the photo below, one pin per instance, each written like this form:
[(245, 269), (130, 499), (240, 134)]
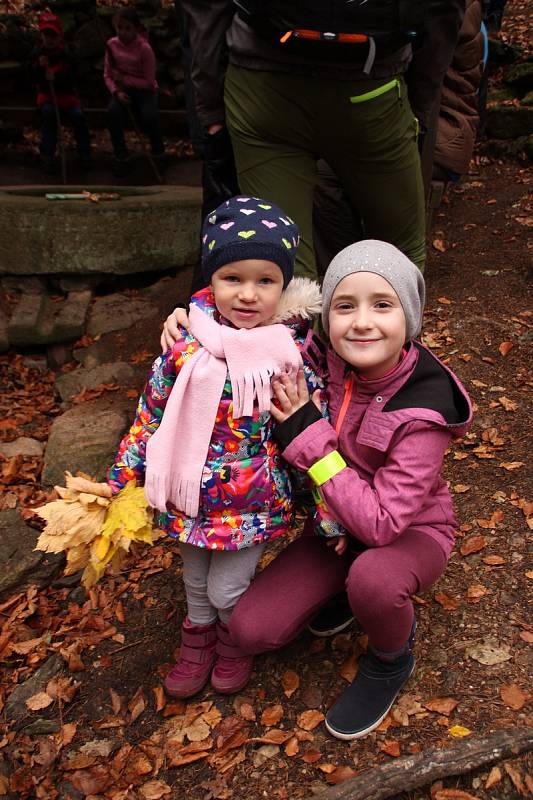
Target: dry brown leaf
[(391, 747), (441, 705), (273, 736), (38, 701), (290, 682), (311, 756), (327, 768), (508, 405), (473, 545), (516, 778), (160, 699), (453, 794), (246, 710), (292, 747), (116, 701), (495, 776), (348, 670), (526, 636), (308, 720), (137, 705), (504, 348), (340, 774), (513, 696), (493, 560), (154, 790), (67, 733), (475, 592), (439, 245), (198, 730), (511, 465), (447, 602), (272, 715), (460, 488)]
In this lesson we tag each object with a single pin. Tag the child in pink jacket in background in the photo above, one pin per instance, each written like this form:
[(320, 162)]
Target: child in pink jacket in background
[(377, 465), (129, 74)]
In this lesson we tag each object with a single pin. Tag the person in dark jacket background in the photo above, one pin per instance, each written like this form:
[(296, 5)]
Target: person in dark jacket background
[(53, 72)]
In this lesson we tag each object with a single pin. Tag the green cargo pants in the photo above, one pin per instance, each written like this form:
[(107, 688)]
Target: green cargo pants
[(281, 123)]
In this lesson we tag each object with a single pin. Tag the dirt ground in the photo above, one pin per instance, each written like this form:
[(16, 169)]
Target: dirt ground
[(111, 735)]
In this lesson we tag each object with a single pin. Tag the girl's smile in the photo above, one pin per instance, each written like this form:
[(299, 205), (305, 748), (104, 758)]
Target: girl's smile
[(367, 324)]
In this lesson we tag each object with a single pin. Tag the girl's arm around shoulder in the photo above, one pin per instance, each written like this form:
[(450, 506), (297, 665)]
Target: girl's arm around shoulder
[(131, 455)]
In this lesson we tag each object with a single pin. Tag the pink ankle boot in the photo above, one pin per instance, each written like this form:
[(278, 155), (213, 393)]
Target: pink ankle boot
[(232, 668), (197, 655)]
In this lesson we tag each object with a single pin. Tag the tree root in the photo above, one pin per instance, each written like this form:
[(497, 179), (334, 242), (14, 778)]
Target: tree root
[(423, 768)]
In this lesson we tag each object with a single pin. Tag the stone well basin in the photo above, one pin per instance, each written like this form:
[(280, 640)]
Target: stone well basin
[(147, 229)]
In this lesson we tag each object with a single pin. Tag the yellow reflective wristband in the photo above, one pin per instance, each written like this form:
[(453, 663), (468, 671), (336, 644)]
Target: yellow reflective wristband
[(326, 468)]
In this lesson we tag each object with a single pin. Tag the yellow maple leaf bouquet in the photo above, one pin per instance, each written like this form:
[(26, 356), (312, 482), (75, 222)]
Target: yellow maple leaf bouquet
[(94, 527)]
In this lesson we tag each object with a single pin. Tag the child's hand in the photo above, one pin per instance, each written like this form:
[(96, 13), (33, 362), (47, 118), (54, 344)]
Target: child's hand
[(118, 77), (290, 396), (123, 98), (340, 543), (171, 328)]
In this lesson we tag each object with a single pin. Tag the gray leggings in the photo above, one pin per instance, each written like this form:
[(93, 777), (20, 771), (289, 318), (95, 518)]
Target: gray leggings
[(215, 579)]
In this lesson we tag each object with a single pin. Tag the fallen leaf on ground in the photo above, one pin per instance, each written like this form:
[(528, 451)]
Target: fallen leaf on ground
[(453, 794), (154, 790), (495, 776), (38, 701), (272, 715), (472, 545), (493, 560), (439, 245), (447, 602), (516, 778), (489, 652), (340, 774), (292, 747), (504, 348), (308, 720), (441, 705), (459, 731), (513, 696), (511, 465), (290, 682), (391, 747)]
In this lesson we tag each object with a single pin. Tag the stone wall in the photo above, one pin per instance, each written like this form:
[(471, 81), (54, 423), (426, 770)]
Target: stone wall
[(87, 27)]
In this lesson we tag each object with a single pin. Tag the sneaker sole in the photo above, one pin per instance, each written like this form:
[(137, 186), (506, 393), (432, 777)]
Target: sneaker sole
[(347, 737), (332, 631)]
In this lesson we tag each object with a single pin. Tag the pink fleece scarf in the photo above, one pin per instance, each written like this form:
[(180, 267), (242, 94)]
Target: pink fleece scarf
[(177, 452)]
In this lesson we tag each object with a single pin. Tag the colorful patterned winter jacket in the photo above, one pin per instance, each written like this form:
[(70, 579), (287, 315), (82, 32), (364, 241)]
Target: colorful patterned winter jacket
[(246, 492)]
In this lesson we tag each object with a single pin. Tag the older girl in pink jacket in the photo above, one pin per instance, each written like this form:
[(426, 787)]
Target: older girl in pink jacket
[(377, 465)]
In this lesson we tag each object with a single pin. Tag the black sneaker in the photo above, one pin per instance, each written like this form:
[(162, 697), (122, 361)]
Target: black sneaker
[(333, 618), (367, 701)]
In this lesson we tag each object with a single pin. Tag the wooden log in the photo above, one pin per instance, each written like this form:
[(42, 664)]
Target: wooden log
[(421, 769)]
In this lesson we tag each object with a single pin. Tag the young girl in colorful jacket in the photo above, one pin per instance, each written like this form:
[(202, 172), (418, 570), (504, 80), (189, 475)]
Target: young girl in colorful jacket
[(202, 439), (377, 465)]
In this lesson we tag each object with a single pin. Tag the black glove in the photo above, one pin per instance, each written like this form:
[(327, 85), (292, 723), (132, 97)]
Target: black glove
[(220, 164)]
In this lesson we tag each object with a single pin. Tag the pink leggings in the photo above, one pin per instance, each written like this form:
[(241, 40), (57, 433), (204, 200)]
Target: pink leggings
[(283, 598)]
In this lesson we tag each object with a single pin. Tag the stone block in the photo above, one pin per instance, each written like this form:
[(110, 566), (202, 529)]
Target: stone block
[(66, 320), (23, 446), (117, 312), (84, 438), (24, 326), (505, 122), (147, 229), (520, 76), (16, 708), (20, 564), (82, 378)]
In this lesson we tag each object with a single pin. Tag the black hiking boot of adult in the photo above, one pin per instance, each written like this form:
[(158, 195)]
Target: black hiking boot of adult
[(333, 618), (366, 702)]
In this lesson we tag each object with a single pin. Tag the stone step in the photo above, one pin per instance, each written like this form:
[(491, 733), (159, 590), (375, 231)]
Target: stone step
[(37, 319)]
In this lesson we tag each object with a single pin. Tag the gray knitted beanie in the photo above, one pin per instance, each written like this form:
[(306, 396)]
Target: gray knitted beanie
[(386, 260)]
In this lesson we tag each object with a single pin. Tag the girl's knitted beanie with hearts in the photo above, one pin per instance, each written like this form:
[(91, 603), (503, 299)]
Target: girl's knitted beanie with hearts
[(248, 227)]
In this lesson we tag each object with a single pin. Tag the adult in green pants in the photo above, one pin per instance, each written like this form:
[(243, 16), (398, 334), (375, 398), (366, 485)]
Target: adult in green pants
[(280, 124)]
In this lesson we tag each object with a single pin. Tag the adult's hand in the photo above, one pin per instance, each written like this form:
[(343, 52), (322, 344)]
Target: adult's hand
[(219, 161), (171, 328)]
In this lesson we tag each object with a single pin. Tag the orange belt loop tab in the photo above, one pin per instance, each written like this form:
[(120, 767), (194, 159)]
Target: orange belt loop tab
[(286, 37)]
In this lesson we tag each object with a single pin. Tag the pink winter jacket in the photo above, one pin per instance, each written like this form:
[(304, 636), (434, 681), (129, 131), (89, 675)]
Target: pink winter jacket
[(393, 433), (136, 61)]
